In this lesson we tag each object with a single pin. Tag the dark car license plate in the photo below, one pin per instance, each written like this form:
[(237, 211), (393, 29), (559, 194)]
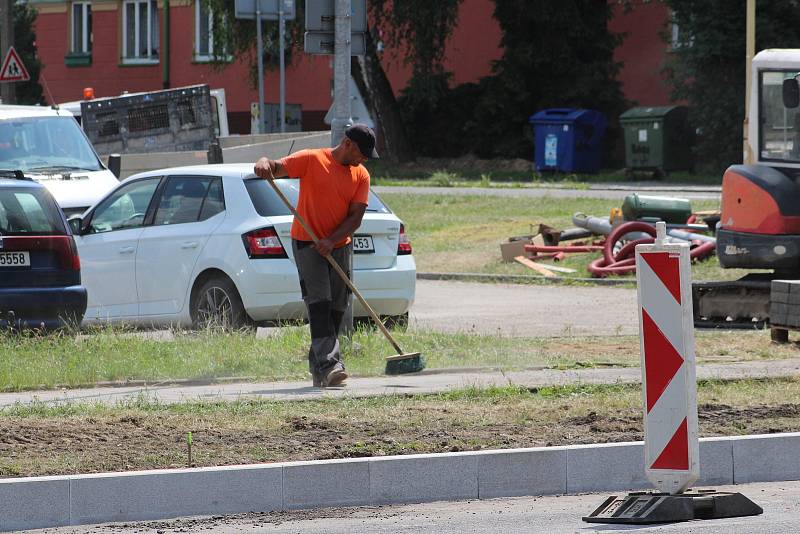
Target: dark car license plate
[(15, 259)]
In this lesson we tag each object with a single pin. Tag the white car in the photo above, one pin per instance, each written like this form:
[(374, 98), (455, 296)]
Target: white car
[(190, 245), (50, 147)]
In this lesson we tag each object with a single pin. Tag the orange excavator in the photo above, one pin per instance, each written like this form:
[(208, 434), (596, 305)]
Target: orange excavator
[(759, 225)]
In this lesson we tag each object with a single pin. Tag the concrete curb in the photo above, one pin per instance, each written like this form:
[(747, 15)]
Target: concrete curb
[(40, 502)]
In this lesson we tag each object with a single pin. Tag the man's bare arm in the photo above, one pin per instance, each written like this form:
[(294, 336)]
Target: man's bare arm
[(269, 168), (350, 224)]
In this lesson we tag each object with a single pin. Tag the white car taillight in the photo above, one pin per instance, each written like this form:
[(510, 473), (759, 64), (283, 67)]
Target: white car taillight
[(263, 243), (403, 244)]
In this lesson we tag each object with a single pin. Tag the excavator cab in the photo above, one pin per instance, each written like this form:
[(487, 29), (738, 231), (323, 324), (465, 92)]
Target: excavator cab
[(759, 224), (760, 218)]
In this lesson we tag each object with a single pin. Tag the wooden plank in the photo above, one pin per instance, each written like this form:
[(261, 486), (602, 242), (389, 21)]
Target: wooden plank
[(557, 268), (535, 266), (708, 213)]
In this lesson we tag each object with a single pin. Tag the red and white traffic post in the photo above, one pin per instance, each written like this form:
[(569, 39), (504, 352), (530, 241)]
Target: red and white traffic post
[(669, 396), (669, 387)]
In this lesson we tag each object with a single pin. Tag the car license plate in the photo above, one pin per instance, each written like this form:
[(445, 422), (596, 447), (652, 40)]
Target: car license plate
[(15, 259), (363, 244)]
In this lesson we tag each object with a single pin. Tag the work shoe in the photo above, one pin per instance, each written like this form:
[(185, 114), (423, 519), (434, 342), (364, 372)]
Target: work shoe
[(335, 376)]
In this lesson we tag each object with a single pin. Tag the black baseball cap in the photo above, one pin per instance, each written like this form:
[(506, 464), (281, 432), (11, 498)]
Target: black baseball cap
[(363, 136)]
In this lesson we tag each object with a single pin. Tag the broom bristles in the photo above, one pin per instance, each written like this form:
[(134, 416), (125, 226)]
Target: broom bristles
[(402, 364)]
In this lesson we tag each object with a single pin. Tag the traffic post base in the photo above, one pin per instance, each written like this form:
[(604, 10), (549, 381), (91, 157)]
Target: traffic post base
[(641, 508)]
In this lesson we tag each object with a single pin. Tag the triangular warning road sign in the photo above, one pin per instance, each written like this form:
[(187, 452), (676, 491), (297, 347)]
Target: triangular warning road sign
[(13, 70)]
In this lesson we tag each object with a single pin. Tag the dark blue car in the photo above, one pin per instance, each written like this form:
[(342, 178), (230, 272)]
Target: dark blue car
[(40, 272)]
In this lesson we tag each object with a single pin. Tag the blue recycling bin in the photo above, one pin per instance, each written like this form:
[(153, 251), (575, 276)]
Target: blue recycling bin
[(568, 140)]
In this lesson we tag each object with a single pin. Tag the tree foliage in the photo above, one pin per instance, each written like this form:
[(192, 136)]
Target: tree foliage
[(554, 55), (29, 92), (707, 68), (236, 38), (419, 29)]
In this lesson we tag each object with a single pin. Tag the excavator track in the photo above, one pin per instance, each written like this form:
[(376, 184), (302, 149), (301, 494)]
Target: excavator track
[(742, 303)]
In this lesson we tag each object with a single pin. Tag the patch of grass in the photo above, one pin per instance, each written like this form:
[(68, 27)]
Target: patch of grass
[(583, 390), (456, 180), (118, 355), (443, 179), (462, 234), (475, 392)]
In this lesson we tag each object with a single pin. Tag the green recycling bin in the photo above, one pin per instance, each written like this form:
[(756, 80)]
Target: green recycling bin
[(657, 139)]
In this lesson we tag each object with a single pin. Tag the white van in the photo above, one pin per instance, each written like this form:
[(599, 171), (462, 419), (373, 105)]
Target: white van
[(50, 147)]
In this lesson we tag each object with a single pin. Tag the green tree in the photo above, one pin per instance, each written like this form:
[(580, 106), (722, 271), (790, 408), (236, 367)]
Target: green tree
[(419, 27), (554, 55), (29, 92), (707, 68)]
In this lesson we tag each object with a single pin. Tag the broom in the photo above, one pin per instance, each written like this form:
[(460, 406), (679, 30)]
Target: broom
[(398, 364)]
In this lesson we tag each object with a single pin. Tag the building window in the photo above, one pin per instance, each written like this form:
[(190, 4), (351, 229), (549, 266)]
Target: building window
[(139, 31), (204, 49), (203, 31), (679, 38), (81, 28)]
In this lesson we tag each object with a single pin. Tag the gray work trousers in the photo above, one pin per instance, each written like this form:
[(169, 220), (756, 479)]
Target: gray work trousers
[(326, 297)]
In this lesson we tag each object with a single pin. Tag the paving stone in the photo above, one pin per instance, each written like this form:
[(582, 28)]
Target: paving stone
[(606, 467), (780, 286), (163, 494), (781, 298), (716, 462), (326, 484), (778, 309), (520, 472), (424, 478), (34, 503), (766, 458), (778, 320)]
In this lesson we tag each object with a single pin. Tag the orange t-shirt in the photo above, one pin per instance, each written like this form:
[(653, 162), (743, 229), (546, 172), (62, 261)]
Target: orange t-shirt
[(327, 188)]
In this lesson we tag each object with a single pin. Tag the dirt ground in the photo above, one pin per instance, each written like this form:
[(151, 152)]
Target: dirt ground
[(80, 444)]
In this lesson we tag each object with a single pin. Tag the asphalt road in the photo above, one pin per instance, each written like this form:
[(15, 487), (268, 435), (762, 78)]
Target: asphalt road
[(514, 310), (524, 310), (551, 515)]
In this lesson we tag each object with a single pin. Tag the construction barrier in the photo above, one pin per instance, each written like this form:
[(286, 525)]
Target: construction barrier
[(669, 391), (669, 396)]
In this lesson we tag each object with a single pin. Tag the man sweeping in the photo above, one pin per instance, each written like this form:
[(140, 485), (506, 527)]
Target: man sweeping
[(334, 191)]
